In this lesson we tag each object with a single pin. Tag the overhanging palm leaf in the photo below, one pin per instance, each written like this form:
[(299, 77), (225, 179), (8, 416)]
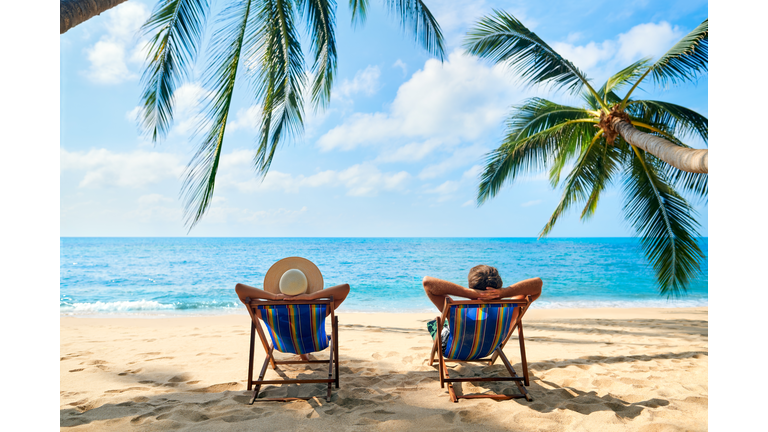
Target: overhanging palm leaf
[(686, 60), (624, 76), (683, 62), (416, 18), (178, 28), (280, 79), (520, 154), (201, 172), (501, 38), (587, 179), (665, 221), (321, 15), (677, 120), (544, 135), (263, 35)]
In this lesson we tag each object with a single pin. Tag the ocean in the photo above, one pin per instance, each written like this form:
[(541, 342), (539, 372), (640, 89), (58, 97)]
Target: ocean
[(160, 277)]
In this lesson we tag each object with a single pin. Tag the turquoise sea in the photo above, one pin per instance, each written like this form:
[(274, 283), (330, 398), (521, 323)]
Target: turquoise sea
[(149, 277)]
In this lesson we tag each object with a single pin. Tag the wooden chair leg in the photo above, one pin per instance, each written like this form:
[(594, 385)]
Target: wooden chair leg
[(451, 392), (250, 355), (511, 371), (441, 365), (335, 331), (330, 370), (523, 360), (261, 376)]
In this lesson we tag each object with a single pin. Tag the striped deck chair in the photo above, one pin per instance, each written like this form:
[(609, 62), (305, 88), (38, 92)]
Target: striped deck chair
[(296, 327), (478, 329)]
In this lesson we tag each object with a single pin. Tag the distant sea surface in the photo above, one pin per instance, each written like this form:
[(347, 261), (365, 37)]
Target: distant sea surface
[(152, 277)]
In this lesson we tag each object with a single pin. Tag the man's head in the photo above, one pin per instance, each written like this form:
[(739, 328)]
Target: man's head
[(482, 277)]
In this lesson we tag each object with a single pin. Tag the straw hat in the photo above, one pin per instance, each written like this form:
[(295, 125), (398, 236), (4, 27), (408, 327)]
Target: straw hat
[(292, 276)]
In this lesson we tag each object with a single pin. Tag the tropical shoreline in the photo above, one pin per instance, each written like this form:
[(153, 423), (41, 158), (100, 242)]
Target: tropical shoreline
[(591, 369)]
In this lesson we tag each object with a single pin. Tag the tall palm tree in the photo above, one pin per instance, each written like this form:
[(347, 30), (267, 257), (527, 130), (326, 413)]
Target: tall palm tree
[(75, 12), (258, 39), (600, 139)]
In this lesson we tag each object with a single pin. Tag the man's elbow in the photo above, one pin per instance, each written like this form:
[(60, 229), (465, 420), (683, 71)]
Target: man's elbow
[(538, 283), (426, 283)]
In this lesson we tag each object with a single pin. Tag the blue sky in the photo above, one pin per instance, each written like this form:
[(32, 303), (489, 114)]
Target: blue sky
[(397, 153)]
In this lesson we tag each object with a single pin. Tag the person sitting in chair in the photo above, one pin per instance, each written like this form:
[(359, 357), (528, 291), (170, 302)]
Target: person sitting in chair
[(293, 279), (484, 284)]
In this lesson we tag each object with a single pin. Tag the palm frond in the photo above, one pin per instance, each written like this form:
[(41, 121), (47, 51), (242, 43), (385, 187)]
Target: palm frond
[(523, 154), (201, 171), (359, 11), (596, 101), (321, 16), (624, 76), (536, 115), (416, 18), (501, 38), (694, 185), (673, 119), (665, 222), (686, 60), (604, 168), (591, 174), (280, 79), (177, 26)]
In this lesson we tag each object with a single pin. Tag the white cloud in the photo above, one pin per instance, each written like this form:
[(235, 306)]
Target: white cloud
[(647, 40), (365, 81), (104, 168), (460, 99), (412, 152), (468, 203), (248, 118), (360, 180), (107, 57), (530, 203), (601, 59), (134, 115), (400, 64), (585, 57), (153, 199), (460, 158), (445, 190), (188, 103)]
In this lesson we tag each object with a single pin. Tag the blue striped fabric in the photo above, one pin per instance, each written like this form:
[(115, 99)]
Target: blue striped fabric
[(296, 329), (477, 330)]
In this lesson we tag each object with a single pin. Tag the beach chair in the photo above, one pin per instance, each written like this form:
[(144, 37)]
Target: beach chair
[(296, 327), (478, 329)]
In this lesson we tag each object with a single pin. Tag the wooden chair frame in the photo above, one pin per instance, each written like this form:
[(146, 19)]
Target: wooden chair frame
[(438, 348), (333, 361)]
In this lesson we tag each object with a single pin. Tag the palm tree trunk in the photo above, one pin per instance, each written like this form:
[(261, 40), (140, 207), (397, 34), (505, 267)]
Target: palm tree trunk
[(74, 12), (682, 158)]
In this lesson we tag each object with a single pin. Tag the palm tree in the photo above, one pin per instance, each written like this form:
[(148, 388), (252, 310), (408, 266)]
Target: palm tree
[(258, 39), (605, 140), (74, 12)]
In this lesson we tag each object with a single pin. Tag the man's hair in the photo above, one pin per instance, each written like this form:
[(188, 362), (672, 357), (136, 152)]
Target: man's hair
[(483, 276)]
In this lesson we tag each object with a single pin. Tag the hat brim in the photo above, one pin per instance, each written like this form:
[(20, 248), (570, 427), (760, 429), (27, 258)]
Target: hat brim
[(314, 277)]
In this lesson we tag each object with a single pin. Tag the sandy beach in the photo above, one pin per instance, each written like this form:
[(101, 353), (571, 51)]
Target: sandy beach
[(591, 370)]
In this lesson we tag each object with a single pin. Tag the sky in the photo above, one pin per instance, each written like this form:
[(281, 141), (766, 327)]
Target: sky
[(397, 152)]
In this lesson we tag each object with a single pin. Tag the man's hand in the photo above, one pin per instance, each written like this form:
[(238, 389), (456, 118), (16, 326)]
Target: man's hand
[(280, 296), (489, 294)]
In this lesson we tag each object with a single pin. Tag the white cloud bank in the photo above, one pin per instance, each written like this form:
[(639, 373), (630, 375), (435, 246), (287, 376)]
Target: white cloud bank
[(103, 168), (442, 104), (363, 179), (108, 57)]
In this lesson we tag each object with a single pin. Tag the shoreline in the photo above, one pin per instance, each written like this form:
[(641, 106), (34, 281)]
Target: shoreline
[(605, 369), (241, 311)]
